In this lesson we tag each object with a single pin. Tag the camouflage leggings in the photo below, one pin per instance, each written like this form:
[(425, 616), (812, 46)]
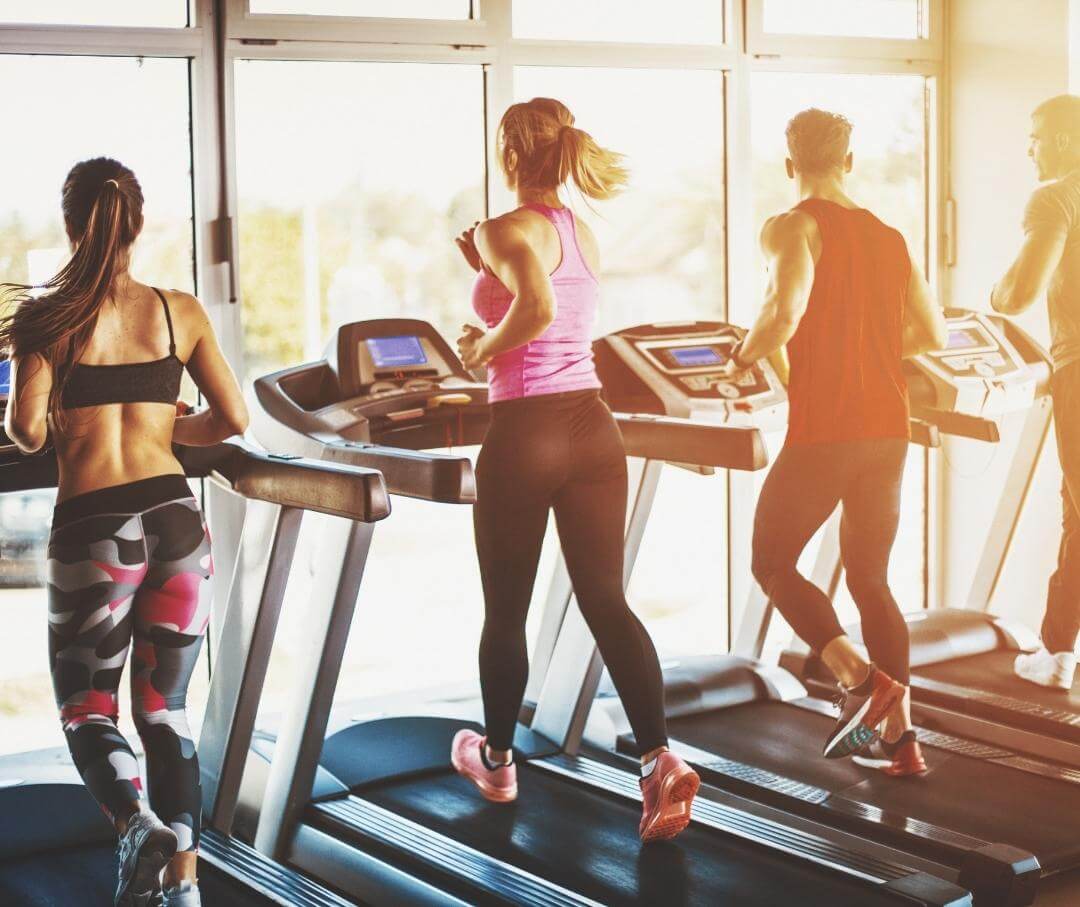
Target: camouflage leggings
[(129, 563)]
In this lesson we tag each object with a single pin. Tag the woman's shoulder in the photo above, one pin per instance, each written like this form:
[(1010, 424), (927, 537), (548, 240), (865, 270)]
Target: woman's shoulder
[(183, 306)]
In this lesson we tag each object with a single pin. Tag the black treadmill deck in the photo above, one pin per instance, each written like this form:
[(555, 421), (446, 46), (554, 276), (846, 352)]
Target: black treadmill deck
[(986, 686), (973, 797), (587, 841)]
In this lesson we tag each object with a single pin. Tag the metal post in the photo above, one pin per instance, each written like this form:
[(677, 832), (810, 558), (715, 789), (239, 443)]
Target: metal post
[(1010, 506), (300, 741), (246, 640), (551, 621), (573, 675)]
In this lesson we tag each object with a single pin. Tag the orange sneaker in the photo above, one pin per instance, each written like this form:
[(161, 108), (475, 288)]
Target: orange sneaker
[(499, 785), (899, 759), (861, 711), (667, 794)]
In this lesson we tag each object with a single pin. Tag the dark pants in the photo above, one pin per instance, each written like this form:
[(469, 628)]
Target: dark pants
[(1062, 622), (802, 490), (561, 452)]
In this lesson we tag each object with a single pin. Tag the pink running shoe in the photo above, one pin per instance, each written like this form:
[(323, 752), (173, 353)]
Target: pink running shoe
[(667, 795), (497, 785)]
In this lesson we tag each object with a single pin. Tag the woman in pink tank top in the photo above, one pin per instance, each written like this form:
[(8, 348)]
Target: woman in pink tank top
[(553, 445)]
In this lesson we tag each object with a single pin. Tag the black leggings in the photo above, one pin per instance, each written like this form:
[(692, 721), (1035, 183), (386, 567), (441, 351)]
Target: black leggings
[(560, 451), (802, 490)]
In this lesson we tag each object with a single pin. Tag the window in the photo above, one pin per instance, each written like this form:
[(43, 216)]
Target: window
[(671, 22), (847, 18), (397, 9), (351, 212), (661, 241), (156, 14), (153, 139)]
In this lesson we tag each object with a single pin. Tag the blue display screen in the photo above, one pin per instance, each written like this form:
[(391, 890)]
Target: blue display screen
[(5, 377), (396, 352), (693, 356), (963, 339)]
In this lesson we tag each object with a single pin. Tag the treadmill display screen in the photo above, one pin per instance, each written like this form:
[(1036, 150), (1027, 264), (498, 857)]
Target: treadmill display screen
[(965, 339), (5, 377), (396, 352), (696, 356)]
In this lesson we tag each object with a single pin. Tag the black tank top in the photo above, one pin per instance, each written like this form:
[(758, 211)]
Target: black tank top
[(136, 382)]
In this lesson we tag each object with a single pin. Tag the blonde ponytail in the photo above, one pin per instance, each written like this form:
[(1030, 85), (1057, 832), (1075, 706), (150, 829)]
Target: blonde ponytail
[(596, 171), (539, 143)]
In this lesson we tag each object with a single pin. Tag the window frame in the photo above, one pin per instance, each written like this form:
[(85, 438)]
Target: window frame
[(224, 31), (488, 39)]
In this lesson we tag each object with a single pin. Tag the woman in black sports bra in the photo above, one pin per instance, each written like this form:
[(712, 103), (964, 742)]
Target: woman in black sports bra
[(129, 554)]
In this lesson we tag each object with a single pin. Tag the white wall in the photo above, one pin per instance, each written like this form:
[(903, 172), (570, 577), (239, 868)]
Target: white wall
[(1005, 57)]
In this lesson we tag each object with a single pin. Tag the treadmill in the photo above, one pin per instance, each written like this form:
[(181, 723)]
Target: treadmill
[(752, 729), (380, 797), (62, 850), (962, 657)]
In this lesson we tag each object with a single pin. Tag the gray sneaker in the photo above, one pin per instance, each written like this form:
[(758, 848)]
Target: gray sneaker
[(186, 894), (144, 850)]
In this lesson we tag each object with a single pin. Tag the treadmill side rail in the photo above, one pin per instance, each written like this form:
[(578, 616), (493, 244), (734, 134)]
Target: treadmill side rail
[(278, 883)]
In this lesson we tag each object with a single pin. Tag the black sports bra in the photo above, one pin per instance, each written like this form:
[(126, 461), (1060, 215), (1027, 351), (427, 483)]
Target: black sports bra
[(136, 382)]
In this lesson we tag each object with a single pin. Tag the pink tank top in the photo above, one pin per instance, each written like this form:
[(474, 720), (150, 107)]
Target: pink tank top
[(561, 358)]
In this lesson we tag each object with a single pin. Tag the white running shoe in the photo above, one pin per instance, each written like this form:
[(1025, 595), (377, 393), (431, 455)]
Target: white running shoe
[(142, 852), (186, 894), (1045, 669)]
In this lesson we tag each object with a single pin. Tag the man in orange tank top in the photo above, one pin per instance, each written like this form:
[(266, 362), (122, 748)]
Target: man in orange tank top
[(849, 304), (1049, 262)]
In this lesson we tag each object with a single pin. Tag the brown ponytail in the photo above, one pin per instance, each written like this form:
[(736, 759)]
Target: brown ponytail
[(102, 205), (549, 151)]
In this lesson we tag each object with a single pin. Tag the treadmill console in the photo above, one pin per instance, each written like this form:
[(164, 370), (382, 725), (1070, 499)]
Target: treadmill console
[(385, 354), (677, 369), (391, 381), (981, 372)]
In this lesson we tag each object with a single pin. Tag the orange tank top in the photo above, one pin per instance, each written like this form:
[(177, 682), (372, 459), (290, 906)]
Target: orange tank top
[(847, 380)]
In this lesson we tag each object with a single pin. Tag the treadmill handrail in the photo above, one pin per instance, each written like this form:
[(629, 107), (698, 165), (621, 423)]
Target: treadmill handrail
[(432, 476), (337, 489), (961, 425), (446, 478), (701, 444)]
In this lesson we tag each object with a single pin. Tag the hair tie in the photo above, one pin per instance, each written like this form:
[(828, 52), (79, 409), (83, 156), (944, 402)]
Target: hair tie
[(114, 182)]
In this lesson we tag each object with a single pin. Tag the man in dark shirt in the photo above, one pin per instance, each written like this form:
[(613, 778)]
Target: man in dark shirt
[(1049, 261)]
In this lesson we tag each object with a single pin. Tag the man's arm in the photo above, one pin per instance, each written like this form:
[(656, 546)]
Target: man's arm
[(1045, 229), (785, 240)]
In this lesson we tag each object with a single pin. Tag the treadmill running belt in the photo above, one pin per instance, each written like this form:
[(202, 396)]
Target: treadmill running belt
[(588, 842), (86, 876), (971, 796), (993, 672)]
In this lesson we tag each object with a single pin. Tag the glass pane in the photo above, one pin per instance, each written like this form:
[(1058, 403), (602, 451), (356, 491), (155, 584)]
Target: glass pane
[(352, 216), (369, 231), (661, 241), (154, 141), (396, 9), (846, 18), (133, 13), (670, 22), (662, 258)]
